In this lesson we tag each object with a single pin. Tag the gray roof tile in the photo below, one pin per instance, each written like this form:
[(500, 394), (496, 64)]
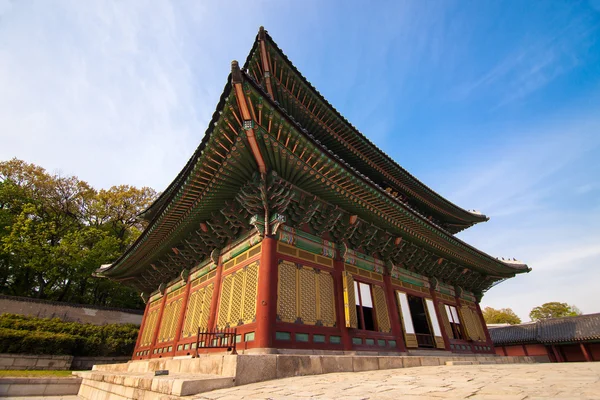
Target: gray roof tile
[(555, 330)]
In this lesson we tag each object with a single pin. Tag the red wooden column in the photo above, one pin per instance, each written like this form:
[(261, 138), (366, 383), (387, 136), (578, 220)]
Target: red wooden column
[(338, 265), (266, 306), (142, 326), (181, 318), (440, 320), (158, 322), (214, 300), (392, 307), (557, 355), (488, 338), (586, 353)]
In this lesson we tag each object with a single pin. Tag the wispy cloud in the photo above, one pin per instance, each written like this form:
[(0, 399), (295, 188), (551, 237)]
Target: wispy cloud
[(529, 188), (533, 64)]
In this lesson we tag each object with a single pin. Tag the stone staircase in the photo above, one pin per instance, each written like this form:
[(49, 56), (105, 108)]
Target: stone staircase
[(132, 385), (190, 376)]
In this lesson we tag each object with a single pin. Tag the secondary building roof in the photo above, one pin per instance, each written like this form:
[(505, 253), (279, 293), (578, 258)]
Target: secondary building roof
[(549, 331)]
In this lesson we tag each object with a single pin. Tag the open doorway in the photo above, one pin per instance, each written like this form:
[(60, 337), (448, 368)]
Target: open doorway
[(420, 321), (364, 306)]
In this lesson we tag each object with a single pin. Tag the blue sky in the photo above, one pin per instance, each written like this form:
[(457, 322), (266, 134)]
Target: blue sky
[(494, 104)]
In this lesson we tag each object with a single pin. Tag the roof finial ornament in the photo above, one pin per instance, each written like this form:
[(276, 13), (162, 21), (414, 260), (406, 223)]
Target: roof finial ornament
[(262, 33), (236, 74)]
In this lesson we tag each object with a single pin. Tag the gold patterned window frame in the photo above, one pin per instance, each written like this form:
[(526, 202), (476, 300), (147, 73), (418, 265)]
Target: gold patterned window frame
[(305, 295)]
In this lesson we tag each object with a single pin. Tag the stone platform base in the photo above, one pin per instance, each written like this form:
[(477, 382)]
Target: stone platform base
[(189, 376)]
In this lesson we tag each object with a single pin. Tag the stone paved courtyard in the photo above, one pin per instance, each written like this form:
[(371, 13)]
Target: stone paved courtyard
[(509, 381)]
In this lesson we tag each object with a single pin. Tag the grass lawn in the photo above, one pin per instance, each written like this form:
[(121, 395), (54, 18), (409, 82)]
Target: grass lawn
[(32, 373)]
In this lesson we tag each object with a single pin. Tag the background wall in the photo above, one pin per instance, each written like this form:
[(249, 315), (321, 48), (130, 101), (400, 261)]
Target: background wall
[(69, 312)]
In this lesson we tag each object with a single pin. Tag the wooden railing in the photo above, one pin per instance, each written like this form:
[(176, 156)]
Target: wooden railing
[(424, 340), (218, 339)]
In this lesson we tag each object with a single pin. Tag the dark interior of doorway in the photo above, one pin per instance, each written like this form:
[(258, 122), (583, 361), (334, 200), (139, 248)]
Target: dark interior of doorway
[(420, 321)]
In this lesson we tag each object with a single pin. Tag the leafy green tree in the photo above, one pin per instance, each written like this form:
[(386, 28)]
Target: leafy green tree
[(501, 316), (55, 231), (553, 310)]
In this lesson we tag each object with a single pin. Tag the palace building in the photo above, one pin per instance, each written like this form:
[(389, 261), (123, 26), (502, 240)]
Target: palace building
[(290, 226)]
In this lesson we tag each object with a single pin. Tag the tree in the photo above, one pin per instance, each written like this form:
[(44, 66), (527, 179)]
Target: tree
[(55, 231), (553, 310), (501, 316)]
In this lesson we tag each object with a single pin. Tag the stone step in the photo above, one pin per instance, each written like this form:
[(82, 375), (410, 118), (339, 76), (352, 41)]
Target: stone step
[(175, 384), (462, 362), (471, 362)]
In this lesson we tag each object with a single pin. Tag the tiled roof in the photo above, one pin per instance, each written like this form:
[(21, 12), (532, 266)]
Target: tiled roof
[(523, 333), (555, 330)]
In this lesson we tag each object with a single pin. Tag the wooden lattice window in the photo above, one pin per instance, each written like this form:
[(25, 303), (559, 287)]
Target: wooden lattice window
[(383, 318), (198, 311), (305, 295), (454, 321), (168, 325), (149, 327), (472, 323), (445, 320), (349, 301), (238, 297)]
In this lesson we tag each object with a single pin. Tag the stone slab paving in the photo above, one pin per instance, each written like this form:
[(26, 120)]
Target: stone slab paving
[(489, 382)]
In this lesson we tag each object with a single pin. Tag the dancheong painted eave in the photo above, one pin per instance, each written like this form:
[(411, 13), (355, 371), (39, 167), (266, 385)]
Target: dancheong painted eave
[(197, 193)]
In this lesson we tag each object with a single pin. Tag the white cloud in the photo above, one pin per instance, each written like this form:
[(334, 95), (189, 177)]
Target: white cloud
[(112, 92), (528, 186)]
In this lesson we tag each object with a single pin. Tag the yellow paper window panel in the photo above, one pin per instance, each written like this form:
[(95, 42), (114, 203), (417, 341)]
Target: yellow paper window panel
[(198, 311), (307, 296), (479, 326), (164, 323), (168, 324), (238, 298), (467, 320), (250, 293), (445, 320), (326, 300), (286, 292), (305, 293), (472, 324), (349, 300), (149, 328), (383, 318)]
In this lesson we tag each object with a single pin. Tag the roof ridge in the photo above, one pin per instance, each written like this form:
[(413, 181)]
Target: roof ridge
[(479, 216)]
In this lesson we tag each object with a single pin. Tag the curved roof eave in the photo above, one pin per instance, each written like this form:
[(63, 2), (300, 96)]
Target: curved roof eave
[(517, 267), (167, 195), (474, 217)]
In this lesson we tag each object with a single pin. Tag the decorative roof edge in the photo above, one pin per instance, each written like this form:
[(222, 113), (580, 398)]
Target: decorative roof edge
[(517, 266), (480, 217), (159, 205)]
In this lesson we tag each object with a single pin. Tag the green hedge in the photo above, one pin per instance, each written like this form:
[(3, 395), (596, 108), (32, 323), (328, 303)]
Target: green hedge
[(22, 334)]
